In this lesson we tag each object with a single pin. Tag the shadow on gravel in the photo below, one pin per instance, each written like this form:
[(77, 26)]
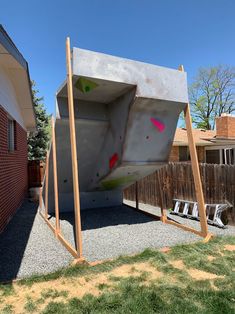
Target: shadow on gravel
[(14, 239), (96, 218)]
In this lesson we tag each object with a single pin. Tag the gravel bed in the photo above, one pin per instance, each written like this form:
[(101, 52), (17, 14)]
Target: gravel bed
[(229, 230), (28, 246)]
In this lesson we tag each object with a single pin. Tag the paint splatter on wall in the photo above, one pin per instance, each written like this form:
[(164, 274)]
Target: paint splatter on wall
[(85, 85), (113, 160), (159, 125)]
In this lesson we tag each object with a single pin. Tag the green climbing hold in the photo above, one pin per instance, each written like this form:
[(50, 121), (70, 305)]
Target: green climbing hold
[(118, 182), (85, 85)]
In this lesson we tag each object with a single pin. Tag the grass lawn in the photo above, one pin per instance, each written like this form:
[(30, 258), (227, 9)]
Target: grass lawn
[(195, 278)]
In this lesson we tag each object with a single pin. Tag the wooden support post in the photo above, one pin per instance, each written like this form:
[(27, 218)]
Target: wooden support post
[(57, 228), (46, 185), (163, 212), (78, 233), (136, 195), (40, 198), (195, 169)]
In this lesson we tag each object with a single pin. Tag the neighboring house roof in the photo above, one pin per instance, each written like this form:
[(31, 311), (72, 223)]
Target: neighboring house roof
[(202, 137), (17, 69)]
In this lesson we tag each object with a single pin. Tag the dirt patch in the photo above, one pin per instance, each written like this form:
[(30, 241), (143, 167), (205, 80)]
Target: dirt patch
[(137, 270), (75, 287), (197, 274), (179, 264), (165, 249), (210, 258), (229, 247)]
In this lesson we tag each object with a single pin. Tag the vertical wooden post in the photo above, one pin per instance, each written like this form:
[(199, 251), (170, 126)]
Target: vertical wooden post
[(78, 233), (136, 195), (40, 198), (163, 212), (195, 169), (57, 228), (46, 185)]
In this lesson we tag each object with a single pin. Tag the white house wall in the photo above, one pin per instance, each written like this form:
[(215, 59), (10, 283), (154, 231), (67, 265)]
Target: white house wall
[(8, 98)]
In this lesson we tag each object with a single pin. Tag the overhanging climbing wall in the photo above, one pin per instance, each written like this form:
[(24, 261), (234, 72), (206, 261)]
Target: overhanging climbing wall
[(126, 114)]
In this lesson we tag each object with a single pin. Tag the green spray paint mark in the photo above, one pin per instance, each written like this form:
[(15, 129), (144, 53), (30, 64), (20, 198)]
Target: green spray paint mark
[(85, 85), (114, 183)]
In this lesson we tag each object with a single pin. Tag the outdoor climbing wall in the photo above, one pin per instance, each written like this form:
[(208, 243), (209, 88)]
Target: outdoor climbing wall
[(126, 113)]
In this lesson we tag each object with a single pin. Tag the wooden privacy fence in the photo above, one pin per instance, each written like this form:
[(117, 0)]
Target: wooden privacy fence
[(36, 170), (176, 181)]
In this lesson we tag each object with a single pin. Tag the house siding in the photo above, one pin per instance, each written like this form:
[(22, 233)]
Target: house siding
[(13, 170), (174, 154), (201, 153)]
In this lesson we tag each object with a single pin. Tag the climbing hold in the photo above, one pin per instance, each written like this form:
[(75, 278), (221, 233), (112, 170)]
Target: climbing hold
[(158, 124), (85, 85), (113, 160)]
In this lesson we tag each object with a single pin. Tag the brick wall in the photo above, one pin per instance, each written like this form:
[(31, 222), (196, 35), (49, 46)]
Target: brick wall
[(174, 154), (13, 170), (201, 153), (225, 126)]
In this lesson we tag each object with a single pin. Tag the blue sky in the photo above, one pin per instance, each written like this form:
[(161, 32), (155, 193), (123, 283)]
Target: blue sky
[(194, 33)]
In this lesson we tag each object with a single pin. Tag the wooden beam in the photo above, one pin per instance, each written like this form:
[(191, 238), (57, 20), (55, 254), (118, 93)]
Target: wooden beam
[(67, 245), (78, 233), (40, 198), (59, 236), (184, 227), (55, 176), (163, 211), (48, 222), (46, 184), (195, 169)]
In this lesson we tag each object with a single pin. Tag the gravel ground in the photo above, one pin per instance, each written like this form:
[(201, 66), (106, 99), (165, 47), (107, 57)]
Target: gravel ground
[(28, 246), (230, 230)]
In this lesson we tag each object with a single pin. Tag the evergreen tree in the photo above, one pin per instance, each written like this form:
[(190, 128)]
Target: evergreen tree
[(38, 142)]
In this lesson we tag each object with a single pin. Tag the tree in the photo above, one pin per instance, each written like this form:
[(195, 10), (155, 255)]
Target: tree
[(38, 141), (211, 94)]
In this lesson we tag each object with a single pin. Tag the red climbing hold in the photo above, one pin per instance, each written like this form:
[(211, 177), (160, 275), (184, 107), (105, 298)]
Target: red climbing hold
[(113, 160), (158, 124)]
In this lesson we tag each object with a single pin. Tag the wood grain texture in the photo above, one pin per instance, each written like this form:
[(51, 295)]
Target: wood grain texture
[(57, 214), (78, 233)]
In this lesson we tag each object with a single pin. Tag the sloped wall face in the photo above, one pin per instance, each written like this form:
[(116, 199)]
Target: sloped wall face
[(13, 170)]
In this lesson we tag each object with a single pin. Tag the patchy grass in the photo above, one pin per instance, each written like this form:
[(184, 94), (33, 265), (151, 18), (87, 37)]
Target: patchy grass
[(194, 278)]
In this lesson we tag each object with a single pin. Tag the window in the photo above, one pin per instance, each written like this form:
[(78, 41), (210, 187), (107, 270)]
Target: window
[(225, 156), (11, 135), (228, 156), (184, 153), (213, 156)]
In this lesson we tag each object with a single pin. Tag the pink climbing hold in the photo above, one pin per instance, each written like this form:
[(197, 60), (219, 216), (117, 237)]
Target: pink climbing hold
[(113, 160), (158, 124)]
